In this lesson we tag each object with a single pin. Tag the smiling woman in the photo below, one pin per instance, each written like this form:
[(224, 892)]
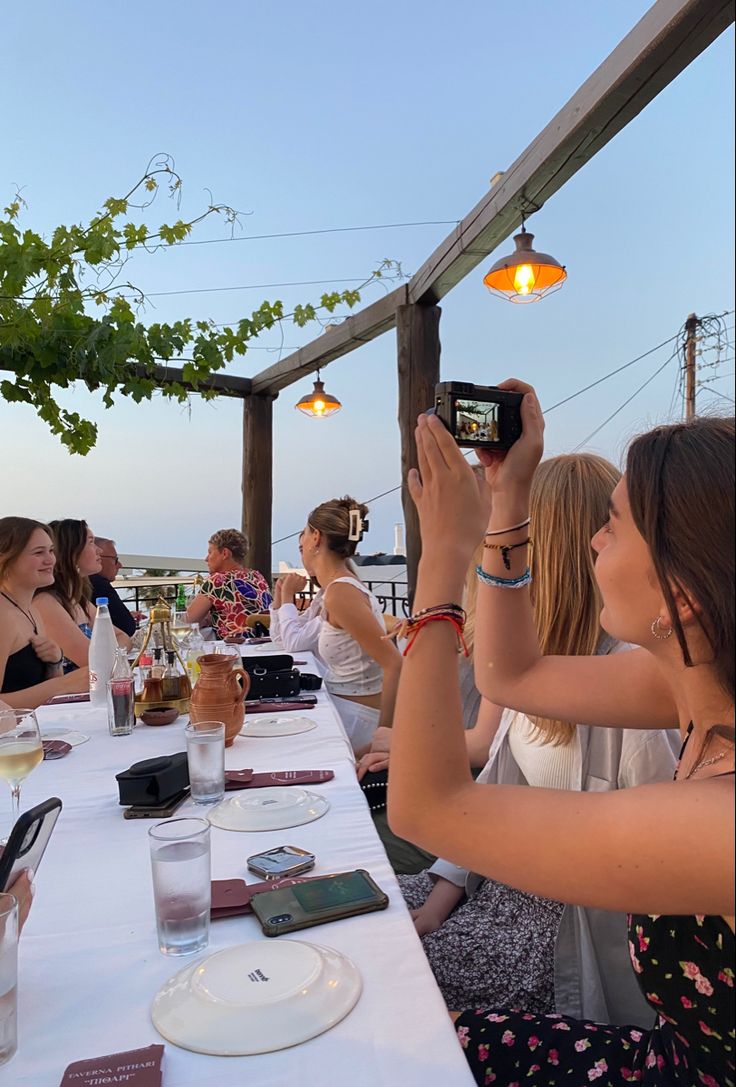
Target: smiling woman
[(30, 662)]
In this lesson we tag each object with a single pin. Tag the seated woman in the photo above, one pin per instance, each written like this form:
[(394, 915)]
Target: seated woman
[(65, 605), (662, 852), (489, 943), (30, 662), (231, 592), (296, 630), (362, 666)]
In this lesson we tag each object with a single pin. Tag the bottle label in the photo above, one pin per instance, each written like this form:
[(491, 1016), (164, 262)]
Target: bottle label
[(93, 680)]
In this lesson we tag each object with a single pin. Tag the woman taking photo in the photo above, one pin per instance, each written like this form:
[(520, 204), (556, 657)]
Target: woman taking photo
[(65, 605), (30, 661), (362, 666), (663, 853)]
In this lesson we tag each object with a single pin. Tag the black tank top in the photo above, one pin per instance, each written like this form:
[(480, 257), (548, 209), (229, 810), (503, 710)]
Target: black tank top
[(23, 669)]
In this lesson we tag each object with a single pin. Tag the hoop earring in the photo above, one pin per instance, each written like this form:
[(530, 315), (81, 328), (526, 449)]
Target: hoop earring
[(657, 630)]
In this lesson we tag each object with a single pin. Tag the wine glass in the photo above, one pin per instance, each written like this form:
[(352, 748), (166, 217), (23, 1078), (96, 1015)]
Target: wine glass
[(20, 749)]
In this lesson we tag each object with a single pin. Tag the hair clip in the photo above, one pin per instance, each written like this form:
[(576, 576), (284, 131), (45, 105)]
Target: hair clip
[(356, 526)]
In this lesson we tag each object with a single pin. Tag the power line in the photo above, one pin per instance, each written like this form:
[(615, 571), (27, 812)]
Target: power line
[(722, 395), (301, 233), (627, 401)]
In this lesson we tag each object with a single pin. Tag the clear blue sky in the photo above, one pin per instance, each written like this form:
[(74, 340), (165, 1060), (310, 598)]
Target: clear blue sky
[(312, 116)]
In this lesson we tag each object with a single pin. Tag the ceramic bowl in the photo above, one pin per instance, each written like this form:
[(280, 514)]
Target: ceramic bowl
[(159, 717)]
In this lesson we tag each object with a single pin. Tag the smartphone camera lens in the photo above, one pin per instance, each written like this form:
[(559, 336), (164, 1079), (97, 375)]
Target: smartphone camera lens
[(279, 919)]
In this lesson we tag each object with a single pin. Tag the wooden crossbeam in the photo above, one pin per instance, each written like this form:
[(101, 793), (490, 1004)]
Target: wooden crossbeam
[(224, 384), (661, 45)]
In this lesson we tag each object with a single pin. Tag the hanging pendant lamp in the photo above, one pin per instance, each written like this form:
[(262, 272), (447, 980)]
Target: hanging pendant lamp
[(525, 275), (318, 403)]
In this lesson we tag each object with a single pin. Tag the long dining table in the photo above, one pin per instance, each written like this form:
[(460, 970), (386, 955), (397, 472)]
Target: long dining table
[(89, 963)]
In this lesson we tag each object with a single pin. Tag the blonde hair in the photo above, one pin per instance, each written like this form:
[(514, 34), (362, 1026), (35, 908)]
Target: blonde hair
[(569, 503)]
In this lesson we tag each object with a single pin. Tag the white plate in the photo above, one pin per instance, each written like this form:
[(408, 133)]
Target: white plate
[(256, 998), (68, 735), (274, 808), (263, 724)]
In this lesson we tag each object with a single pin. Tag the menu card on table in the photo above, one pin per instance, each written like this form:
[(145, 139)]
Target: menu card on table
[(134, 1068)]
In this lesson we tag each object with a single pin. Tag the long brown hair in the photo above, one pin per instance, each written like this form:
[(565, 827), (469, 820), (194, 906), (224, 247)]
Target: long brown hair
[(569, 503), (70, 587), (15, 532), (680, 482)]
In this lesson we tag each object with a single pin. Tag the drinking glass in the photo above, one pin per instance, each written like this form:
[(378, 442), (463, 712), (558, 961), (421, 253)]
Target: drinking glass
[(180, 868), (206, 759), (20, 749), (8, 976)]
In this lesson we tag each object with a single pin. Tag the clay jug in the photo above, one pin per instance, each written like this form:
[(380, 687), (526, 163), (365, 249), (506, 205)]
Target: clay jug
[(219, 694)]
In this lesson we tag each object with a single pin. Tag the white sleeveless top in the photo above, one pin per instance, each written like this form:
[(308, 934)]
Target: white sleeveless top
[(350, 671), (548, 766)]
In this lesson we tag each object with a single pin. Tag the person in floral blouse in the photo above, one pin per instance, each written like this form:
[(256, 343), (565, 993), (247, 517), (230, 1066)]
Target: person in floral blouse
[(231, 592)]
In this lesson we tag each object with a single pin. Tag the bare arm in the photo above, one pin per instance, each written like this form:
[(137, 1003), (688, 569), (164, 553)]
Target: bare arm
[(479, 738), (439, 904), (32, 697), (199, 608), (61, 628), (349, 609)]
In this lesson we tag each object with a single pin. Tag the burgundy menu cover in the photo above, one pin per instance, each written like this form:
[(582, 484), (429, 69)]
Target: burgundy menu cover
[(133, 1068), (231, 897), (246, 779)]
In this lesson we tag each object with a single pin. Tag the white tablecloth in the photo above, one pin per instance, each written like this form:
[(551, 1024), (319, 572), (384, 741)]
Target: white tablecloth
[(89, 960)]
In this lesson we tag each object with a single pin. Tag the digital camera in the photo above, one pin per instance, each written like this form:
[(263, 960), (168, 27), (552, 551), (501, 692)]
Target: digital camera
[(478, 416)]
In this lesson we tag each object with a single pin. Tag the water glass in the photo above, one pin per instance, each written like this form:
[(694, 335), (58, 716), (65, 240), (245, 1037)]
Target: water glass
[(206, 758), (180, 867), (121, 706), (8, 977)]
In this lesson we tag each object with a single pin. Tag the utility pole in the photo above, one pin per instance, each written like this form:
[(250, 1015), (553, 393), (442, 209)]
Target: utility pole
[(691, 326)]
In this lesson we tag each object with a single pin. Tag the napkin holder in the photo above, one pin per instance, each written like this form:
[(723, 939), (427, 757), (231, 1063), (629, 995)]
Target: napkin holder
[(153, 781)]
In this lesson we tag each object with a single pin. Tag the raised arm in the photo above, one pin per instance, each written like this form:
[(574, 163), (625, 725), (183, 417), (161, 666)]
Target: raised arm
[(348, 608)]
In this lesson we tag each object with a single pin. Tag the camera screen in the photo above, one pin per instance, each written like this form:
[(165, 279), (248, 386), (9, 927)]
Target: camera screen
[(477, 421), (338, 891)]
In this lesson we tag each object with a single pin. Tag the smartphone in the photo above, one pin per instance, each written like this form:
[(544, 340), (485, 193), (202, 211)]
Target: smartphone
[(317, 901), (28, 840), (156, 811), (284, 860)]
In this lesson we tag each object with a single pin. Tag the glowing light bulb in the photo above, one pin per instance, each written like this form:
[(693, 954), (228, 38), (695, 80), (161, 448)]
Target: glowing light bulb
[(319, 407), (524, 279)]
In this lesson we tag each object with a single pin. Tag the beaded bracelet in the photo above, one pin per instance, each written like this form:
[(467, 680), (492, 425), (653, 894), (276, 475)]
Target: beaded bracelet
[(450, 613), (505, 548), (504, 582)]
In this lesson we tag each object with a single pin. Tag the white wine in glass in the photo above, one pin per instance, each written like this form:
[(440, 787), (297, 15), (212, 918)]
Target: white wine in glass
[(20, 750)]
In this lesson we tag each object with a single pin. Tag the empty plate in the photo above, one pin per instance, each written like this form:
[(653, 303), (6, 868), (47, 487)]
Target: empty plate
[(275, 725), (68, 735), (256, 998), (269, 809)]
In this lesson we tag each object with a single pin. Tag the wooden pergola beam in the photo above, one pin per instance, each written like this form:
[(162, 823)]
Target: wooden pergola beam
[(661, 45), (224, 384)]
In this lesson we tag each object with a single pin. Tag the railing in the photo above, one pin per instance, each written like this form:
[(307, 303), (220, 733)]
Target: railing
[(139, 593)]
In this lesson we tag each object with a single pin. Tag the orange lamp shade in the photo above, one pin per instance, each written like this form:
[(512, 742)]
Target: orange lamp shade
[(525, 275), (318, 403)]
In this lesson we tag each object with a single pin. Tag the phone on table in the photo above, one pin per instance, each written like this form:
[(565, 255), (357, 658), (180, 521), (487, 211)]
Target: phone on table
[(345, 894), (157, 811), (28, 840), (283, 861)]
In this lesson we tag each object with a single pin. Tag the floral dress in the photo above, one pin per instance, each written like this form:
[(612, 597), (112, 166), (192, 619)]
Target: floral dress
[(234, 596), (685, 968)]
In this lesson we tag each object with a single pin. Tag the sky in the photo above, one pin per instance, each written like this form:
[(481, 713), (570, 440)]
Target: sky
[(308, 117)]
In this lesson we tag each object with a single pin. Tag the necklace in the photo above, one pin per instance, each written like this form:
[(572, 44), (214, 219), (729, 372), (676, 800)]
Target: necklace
[(707, 762), (23, 611)]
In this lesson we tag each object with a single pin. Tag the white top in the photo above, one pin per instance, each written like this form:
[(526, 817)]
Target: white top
[(298, 630), (89, 961), (546, 765), (350, 671)]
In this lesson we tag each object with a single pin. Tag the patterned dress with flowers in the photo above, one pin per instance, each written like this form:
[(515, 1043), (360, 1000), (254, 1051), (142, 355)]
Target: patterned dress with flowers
[(234, 596), (685, 968)]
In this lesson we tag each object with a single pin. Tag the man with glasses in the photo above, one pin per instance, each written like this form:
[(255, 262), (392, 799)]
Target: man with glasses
[(101, 586)]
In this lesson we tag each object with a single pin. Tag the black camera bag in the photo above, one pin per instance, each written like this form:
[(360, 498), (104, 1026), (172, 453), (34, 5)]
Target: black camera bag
[(272, 676)]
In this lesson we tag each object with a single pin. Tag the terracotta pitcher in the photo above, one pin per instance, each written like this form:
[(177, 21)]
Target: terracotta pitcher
[(219, 694)]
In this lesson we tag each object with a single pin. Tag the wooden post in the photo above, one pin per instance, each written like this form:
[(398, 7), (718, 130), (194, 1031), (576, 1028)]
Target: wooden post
[(258, 481), (691, 339), (418, 343)]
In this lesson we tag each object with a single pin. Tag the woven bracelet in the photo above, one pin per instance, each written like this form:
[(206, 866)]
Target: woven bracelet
[(504, 582)]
